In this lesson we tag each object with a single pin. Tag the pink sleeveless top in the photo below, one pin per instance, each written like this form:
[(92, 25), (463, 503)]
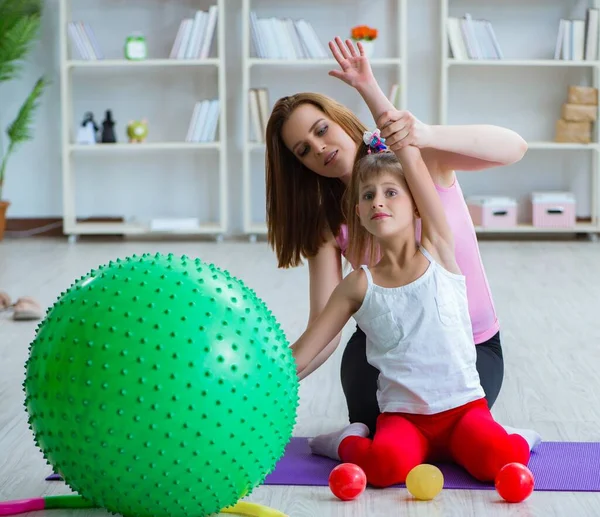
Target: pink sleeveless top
[(481, 306)]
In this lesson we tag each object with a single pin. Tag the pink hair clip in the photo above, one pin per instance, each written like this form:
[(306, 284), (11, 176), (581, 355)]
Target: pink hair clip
[(374, 141)]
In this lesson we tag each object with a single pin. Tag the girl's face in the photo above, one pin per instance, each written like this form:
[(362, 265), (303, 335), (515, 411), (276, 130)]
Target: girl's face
[(319, 143), (385, 205)]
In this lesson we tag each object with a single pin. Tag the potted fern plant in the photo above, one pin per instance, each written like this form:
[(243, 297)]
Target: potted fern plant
[(19, 28)]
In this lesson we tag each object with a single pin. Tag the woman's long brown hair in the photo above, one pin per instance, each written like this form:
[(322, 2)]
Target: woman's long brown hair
[(302, 206)]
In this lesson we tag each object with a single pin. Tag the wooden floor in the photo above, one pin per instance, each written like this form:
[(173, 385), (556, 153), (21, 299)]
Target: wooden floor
[(547, 296)]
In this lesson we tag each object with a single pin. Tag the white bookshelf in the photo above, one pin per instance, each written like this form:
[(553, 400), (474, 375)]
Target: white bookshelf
[(528, 228), (145, 148), (520, 62), (125, 63), (397, 62), (591, 68), (74, 228)]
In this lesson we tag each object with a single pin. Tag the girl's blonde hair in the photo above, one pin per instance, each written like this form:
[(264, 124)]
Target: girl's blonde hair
[(302, 206), (362, 247)]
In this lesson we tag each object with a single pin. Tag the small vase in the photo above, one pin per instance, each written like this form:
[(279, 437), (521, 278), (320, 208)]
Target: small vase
[(369, 47)]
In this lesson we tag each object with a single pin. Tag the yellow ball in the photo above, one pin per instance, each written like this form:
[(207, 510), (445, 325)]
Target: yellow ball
[(425, 482)]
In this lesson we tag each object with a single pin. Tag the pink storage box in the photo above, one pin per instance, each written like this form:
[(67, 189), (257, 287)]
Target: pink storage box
[(493, 211), (553, 209)]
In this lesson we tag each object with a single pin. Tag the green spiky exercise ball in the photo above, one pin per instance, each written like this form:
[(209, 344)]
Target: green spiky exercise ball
[(161, 386)]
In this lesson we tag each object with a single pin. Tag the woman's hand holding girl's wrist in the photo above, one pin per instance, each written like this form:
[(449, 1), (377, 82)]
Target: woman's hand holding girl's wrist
[(401, 128)]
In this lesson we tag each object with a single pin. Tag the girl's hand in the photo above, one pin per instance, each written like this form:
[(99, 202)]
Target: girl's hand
[(355, 68), (402, 128)]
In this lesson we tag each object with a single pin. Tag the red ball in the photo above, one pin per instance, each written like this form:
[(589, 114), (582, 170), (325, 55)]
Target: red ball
[(514, 482), (347, 481)]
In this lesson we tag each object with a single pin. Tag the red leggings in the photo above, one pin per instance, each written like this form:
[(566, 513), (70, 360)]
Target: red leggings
[(467, 435)]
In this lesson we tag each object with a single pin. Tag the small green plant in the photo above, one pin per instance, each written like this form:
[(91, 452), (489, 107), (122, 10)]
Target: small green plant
[(19, 29)]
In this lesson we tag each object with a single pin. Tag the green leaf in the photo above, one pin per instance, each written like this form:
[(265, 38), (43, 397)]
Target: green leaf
[(11, 10), (20, 130), (19, 27), (15, 44)]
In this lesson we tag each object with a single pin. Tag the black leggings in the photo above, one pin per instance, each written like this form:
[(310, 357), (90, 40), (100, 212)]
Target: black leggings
[(359, 378)]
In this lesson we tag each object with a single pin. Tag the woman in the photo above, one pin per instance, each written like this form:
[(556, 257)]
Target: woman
[(311, 144)]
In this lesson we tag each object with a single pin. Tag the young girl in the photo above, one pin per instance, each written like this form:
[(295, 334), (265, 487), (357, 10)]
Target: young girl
[(413, 309)]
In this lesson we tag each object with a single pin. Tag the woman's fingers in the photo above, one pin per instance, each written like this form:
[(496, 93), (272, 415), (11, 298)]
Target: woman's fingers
[(392, 127), (403, 134), (388, 117), (400, 145)]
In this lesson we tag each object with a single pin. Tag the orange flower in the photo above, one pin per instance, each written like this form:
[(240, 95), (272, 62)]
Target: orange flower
[(363, 32), (358, 32)]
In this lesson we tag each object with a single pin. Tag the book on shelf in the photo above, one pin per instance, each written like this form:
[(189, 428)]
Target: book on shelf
[(471, 38), (204, 121), (195, 35), (276, 38), (394, 95), (577, 40), (84, 42), (258, 101)]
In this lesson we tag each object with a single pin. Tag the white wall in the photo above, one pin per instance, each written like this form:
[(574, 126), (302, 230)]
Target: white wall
[(527, 100)]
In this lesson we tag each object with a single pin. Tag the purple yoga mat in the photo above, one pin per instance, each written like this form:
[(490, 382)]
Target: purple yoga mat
[(556, 466)]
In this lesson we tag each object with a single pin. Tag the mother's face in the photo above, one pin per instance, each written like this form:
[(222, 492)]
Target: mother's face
[(319, 143)]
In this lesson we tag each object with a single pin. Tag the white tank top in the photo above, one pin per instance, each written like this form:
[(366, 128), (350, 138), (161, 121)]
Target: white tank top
[(419, 337)]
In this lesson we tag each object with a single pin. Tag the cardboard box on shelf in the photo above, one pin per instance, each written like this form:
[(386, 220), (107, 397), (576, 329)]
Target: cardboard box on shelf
[(573, 132), (579, 112), (583, 95)]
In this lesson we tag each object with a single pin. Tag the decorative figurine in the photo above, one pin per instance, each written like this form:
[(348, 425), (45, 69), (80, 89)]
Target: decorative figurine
[(108, 131), (87, 131), (136, 48), (137, 131)]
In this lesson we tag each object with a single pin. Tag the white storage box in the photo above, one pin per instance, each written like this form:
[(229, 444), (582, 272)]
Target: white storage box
[(492, 211)]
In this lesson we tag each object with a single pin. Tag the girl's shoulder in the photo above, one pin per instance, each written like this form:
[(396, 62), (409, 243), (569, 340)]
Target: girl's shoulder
[(355, 285)]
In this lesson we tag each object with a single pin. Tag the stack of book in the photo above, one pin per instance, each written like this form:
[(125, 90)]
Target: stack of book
[(203, 125), (195, 35), (83, 40), (275, 38), (578, 39), (472, 39)]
